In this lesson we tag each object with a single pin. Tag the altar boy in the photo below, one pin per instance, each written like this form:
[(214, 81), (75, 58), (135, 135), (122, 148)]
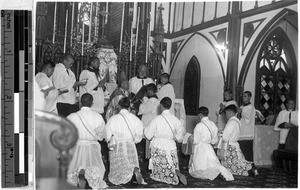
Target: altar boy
[(247, 118)]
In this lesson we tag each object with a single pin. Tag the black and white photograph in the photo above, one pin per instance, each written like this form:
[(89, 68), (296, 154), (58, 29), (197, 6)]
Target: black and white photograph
[(129, 95)]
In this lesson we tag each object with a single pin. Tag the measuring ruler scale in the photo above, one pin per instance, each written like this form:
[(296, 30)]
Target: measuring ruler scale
[(16, 102)]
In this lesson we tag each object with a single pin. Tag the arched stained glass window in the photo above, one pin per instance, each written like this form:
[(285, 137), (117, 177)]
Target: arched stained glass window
[(274, 79)]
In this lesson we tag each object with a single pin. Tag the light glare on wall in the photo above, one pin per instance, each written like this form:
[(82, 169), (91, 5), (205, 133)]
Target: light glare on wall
[(221, 46)]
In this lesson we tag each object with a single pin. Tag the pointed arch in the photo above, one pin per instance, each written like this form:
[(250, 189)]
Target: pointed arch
[(259, 40), (192, 86), (183, 44)]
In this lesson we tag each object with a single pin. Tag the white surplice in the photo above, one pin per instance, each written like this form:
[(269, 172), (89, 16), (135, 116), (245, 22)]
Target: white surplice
[(64, 80), (39, 100), (234, 160), (247, 122), (92, 83), (149, 109), (283, 117), (45, 82), (135, 83), (204, 163), (163, 130), (87, 156), (123, 159), (221, 119), (167, 90)]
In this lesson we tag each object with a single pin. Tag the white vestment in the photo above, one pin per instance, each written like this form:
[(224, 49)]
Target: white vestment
[(39, 100), (135, 83), (87, 156), (92, 83), (247, 122), (64, 80), (149, 110), (221, 119), (282, 117), (127, 130), (167, 90), (163, 130), (45, 82), (204, 163)]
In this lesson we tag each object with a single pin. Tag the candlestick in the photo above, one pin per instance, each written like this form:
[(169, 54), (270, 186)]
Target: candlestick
[(66, 28), (54, 23), (82, 44)]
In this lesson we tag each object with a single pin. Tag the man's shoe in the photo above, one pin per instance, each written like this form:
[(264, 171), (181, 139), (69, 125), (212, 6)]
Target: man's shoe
[(82, 181), (138, 175), (181, 177)]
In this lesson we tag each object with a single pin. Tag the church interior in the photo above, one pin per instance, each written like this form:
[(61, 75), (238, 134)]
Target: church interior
[(205, 47)]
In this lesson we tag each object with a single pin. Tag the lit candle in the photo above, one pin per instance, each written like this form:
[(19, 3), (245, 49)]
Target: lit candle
[(54, 23), (131, 36), (96, 23), (147, 44), (66, 28), (134, 14), (90, 28), (72, 24), (122, 25), (106, 16), (137, 31)]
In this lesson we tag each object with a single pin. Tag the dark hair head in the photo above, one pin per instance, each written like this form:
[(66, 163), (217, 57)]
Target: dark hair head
[(152, 87), (228, 90), (87, 100), (142, 65), (124, 103), (68, 56), (248, 93), (92, 59), (290, 100), (166, 75), (166, 102), (48, 63), (203, 110), (231, 108)]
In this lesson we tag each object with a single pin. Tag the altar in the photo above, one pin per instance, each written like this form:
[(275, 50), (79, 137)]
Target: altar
[(265, 142)]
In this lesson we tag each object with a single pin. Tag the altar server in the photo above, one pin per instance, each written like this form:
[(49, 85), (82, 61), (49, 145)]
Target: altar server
[(204, 163), (163, 131), (64, 79), (86, 164), (247, 118), (167, 90), (46, 86), (231, 154), (150, 106), (149, 109), (125, 129), (286, 119), (221, 116), (94, 85)]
